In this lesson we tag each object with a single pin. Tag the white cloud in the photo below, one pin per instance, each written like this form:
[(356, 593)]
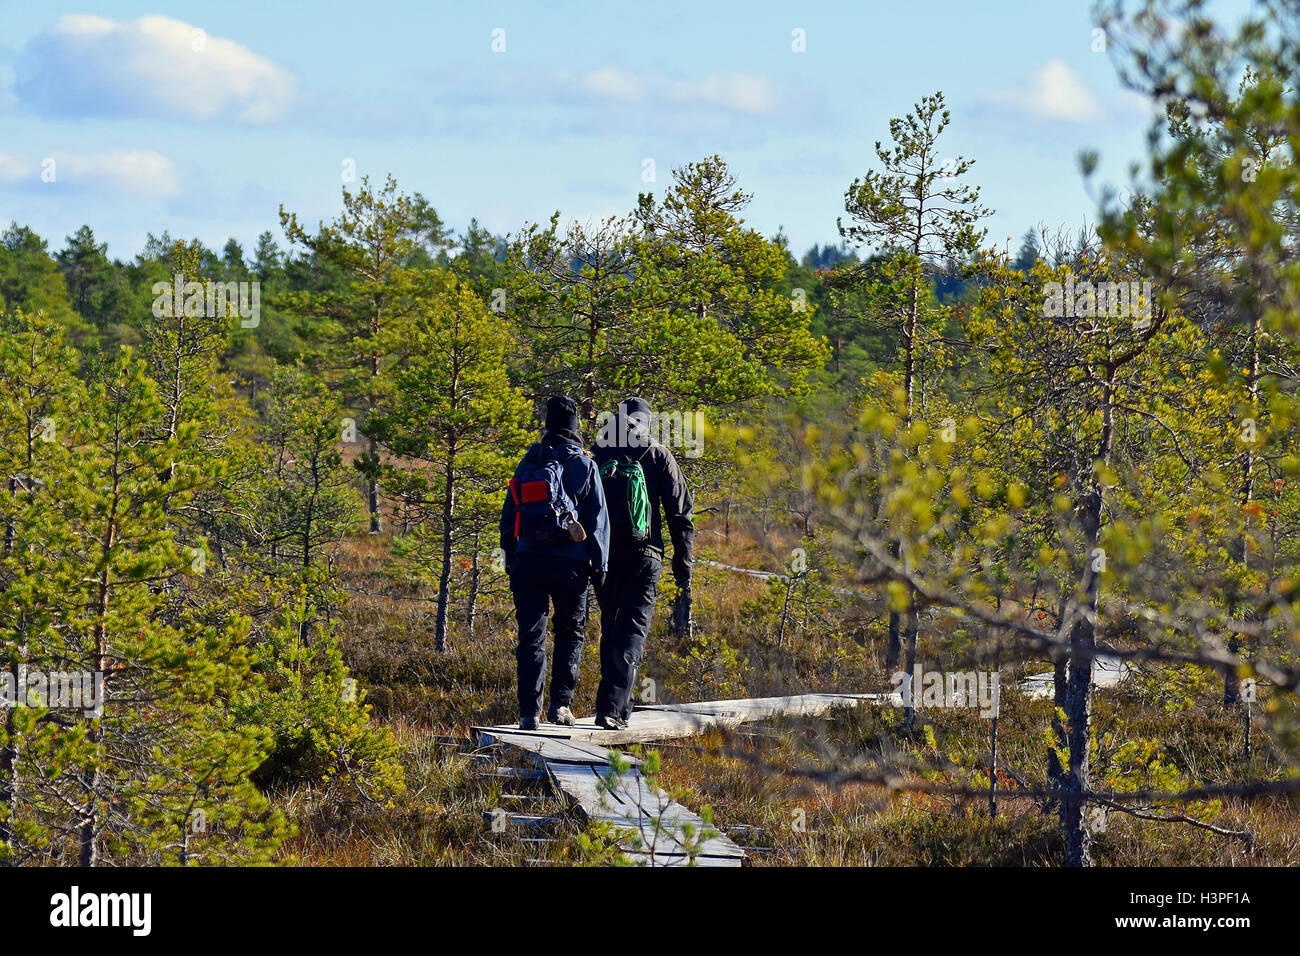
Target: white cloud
[(140, 172), (746, 93), (154, 66), (14, 168), (614, 84), (133, 172), (1055, 93), (734, 92)]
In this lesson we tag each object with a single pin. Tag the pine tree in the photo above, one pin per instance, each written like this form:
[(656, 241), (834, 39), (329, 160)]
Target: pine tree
[(39, 398), (310, 504), (162, 771), (30, 280), (268, 260), (454, 412), (370, 247), (84, 264), (722, 331), (917, 214)]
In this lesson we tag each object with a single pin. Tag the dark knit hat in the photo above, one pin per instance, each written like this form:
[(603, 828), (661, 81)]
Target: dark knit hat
[(561, 414), (632, 406)]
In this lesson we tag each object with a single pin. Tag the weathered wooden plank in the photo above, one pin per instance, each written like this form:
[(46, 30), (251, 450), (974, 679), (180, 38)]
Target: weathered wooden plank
[(672, 842), (626, 796), (599, 753), (582, 785), (552, 749), (650, 817)]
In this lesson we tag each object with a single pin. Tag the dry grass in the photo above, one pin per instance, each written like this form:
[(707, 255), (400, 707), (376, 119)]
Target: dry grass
[(756, 781)]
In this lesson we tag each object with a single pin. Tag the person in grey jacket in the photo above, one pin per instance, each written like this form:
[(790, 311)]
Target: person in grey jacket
[(627, 595)]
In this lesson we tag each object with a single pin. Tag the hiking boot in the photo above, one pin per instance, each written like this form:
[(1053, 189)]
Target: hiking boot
[(610, 722), (563, 717), (527, 723)]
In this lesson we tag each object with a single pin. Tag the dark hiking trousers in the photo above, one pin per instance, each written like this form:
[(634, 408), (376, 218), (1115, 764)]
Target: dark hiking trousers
[(539, 580), (627, 602)]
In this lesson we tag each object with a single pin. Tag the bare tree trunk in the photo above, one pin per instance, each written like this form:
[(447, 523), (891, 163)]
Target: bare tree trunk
[(471, 611), (1078, 713), (589, 390), (909, 343), (1060, 663), (372, 492), (785, 611), (9, 752), (1245, 730), (1055, 772), (444, 579), (89, 831), (1231, 682), (372, 446), (894, 650), (1083, 644), (9, 784), (89, 853), (993, 730), (913, 628)]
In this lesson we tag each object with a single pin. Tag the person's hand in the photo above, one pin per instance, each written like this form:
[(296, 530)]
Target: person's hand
[(597, 578)]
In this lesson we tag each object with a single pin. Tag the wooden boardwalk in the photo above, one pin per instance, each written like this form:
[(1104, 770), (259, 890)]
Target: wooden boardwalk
[(658, 830)]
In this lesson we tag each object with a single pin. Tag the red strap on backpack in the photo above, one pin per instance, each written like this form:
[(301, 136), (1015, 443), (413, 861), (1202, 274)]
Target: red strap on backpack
[(514, 495)]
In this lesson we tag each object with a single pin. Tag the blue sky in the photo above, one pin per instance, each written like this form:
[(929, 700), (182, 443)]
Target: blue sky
[(152, 125)]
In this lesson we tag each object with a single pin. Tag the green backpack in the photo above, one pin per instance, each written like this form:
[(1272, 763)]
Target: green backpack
[(627, 499)]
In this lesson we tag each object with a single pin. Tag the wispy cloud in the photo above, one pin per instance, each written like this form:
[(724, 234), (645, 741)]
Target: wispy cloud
[(614, 84), (134, 172), (1053, 93), (745, 93), (612, 100), (737, 93), (752, 94), (154, 66)]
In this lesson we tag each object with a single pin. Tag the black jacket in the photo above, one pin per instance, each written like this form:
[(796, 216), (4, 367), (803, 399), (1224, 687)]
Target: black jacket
[(670, 501), (582, 482)]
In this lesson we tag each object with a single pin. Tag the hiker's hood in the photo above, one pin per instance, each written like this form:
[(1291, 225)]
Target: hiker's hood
[(626, 430), (555, 447)]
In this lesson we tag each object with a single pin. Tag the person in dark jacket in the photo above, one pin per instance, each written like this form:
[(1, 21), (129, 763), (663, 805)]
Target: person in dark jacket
[(627, 596), (549, 569)]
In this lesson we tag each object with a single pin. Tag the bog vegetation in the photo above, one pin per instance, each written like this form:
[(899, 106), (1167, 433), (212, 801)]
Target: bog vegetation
[(271, 527)]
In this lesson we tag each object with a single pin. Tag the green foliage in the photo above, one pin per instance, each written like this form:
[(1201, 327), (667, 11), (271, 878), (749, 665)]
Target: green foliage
[(707, 667), (320, 726), (307, 503)]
